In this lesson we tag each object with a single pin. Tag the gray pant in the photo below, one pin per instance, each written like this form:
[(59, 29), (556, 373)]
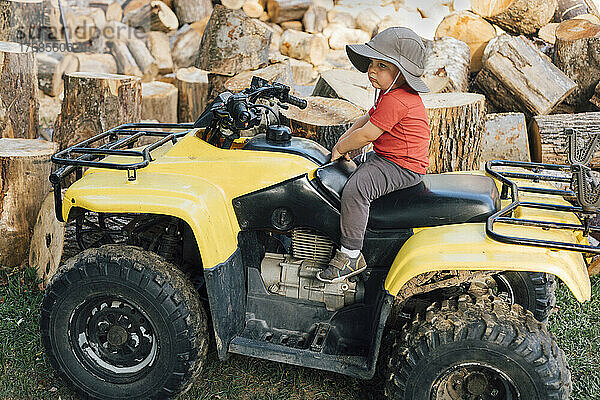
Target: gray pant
[(372, 179)]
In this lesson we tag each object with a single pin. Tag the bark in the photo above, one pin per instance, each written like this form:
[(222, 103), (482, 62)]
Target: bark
[(232, 43), (516, 16), (567, 9), (152, 16), (158, 44), (505, 138), (47, 241), (189, 11), (287, 10), (94, 103), (280, 72), (20, 21), (24, 169), (470, 28), (19, 105), (304, 46), (518, 77), (577, 54), (448, 57), (159, 101), (323, 120), (348, 85), (457, 122), (548, 141), (192, 86)]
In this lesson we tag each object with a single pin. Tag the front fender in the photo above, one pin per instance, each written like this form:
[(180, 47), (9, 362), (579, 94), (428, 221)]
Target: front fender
[(467, 247)]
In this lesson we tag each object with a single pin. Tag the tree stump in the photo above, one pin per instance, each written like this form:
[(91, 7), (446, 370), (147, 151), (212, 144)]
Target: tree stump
[(189, 11), (457, 122), (25, 166), (19, 105), (470, 28), (47, 241), (279, 72), (349, 85), (192, 86), (287, 10), (516, 16), (517, 77), (94, 103), (505, 138), (304, 46), (548, 141), (324, 120), (577, 54), (448, 57), (152, 16), (20, 21), (158, 44), (232, 43), (159, 101)]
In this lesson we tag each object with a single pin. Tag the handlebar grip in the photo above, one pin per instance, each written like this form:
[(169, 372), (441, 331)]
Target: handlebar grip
[(296, 101), (240, 112)]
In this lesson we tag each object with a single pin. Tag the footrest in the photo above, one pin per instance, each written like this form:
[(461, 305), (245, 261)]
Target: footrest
[(320, 335)]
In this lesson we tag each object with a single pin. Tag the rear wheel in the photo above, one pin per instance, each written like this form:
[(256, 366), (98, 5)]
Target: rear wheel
[(535, 291), (485, 350), (119, 322)]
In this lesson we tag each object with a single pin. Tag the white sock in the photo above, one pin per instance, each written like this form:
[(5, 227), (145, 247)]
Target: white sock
[(351, 253)]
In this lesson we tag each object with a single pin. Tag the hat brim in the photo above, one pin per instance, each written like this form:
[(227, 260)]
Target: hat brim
[(360, 56)]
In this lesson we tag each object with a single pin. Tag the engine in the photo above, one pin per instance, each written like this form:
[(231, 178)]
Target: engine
[(294, 275)]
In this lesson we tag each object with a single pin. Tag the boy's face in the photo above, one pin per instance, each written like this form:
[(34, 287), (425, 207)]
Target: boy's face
[(382, 73)]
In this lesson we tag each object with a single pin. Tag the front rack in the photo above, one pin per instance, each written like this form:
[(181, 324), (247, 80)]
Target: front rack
[(575, 176), (118, 141)]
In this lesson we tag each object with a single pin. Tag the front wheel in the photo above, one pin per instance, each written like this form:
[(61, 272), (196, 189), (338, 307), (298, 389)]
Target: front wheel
[(119, 322), (485, 350)]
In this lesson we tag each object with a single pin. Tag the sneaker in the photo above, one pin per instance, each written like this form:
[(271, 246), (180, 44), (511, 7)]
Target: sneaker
[(341, 267)]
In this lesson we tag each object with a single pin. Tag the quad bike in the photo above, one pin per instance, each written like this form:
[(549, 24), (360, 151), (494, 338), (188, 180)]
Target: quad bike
[(207, 228)]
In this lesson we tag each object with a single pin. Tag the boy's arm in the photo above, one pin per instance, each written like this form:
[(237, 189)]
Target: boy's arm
[(356, 139), (359, 123)]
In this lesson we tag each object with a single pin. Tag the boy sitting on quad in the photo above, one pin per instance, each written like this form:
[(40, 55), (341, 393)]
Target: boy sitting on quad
[(397, 126)]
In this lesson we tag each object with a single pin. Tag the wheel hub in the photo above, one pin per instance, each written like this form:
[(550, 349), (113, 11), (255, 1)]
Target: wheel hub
[(476, 383), (473, 382), (117, 335)]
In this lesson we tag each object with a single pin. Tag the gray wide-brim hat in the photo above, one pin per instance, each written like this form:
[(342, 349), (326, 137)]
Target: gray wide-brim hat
[(399, 46)]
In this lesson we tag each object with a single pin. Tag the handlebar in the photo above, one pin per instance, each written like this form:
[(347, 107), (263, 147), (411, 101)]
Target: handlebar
[(296, 101)]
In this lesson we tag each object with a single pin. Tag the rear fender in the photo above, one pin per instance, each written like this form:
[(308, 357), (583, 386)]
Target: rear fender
[(467, 247)]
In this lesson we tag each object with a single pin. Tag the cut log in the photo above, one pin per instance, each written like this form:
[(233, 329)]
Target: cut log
[(518, 77), (323, 120), (304, 46), (25, 166), (152, 16), (505, 138), (548, 33), (302, 72), (115, 30), (280, 72), (85, 27), (253, 8), (189, 11), (471, 29), (233, 4), (192, 86), (159, 101), (448, 57), (339, 59), (567, 9), (158, 44), (19, 105), (457, 122), (577, 54), (131, 5), (595, 100), (186, 48), (94, 103), (19, 19), (439, 84), (368, 21), (295, 25), (315, 19), (125, 62), (143, 58), (348, 85), (340, 16), (51, 68), (548, 141), (114, 12), (232, 43), (516, 16), (287, 10), (344, 36), (47, 241), (276, 32), (93, 62)]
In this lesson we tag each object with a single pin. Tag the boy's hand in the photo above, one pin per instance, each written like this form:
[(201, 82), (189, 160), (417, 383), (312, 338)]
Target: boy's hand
[(335, 154)]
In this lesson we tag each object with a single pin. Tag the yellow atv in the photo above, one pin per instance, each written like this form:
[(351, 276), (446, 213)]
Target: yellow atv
[(206, 228)]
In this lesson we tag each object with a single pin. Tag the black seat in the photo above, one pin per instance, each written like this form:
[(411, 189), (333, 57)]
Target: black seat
[(441, 199)]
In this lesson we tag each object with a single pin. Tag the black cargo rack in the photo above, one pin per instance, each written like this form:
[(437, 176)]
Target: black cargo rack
[(569, 175), (118, 141)]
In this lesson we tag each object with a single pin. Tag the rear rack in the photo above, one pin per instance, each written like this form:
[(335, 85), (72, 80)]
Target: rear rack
[(118, 141)]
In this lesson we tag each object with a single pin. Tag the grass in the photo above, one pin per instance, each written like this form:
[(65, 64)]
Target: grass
[(25, 373)]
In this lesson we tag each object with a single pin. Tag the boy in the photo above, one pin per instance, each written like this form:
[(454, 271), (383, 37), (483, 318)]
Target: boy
[(397, 126)]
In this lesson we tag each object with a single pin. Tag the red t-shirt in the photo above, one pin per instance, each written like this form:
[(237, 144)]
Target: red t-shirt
[(405, 140)]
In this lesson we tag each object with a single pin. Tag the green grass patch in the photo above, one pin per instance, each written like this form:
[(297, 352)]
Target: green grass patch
[(26, 374)]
